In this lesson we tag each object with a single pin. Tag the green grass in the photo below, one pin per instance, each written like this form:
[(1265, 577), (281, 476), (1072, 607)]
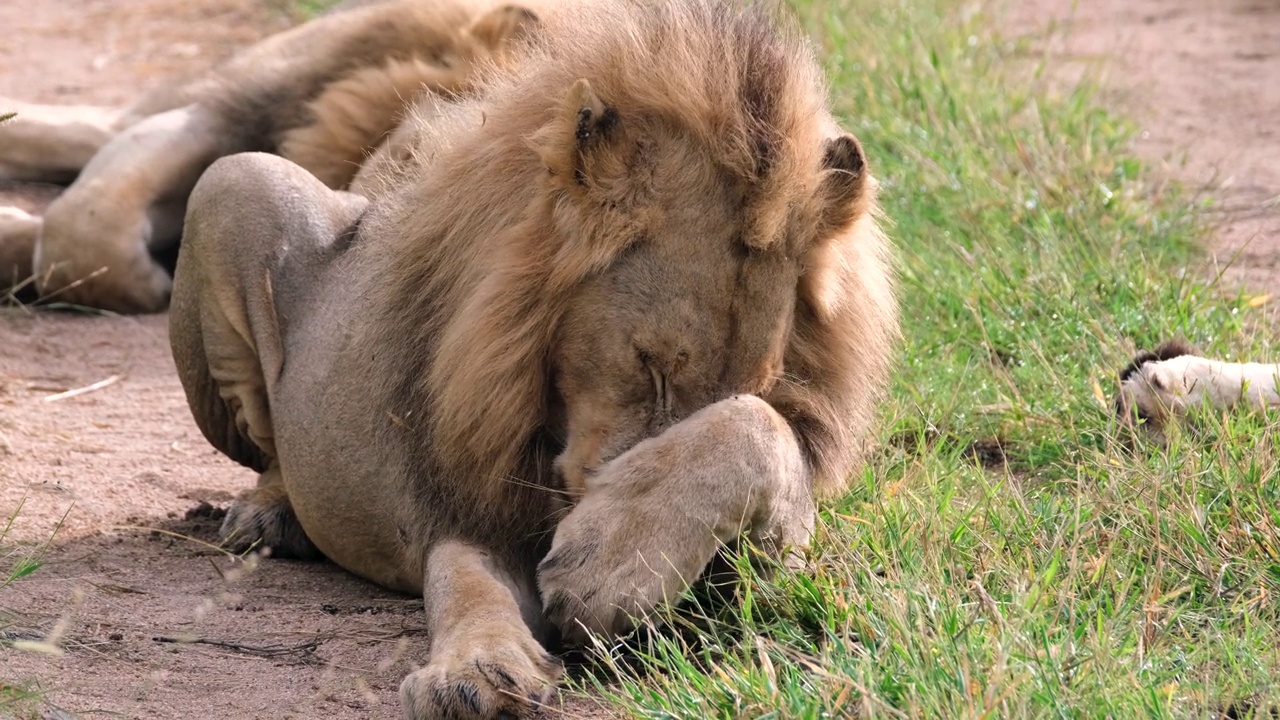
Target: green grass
[(21, 561), (18, 698), (308, 9), (1080, 579)]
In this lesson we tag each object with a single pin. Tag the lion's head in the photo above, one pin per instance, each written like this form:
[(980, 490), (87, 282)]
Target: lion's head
[(652, 210)]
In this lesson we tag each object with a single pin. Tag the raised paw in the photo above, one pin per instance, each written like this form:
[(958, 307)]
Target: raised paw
[(654, 517), (262, 517), (609, 565), (484, 673)]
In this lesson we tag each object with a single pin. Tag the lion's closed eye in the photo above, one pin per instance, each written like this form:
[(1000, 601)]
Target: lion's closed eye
[(662, 391)]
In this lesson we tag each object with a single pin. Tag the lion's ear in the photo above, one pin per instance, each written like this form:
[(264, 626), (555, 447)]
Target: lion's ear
[(583, 123), (843, 186)]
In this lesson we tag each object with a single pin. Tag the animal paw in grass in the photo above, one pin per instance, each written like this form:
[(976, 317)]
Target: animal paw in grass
[(608, 566)]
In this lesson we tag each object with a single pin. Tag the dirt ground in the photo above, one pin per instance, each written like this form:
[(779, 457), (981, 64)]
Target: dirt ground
[(133, 489), (1203, 81)]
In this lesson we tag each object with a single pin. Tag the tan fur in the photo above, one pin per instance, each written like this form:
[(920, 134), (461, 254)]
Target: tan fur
[(621, 303), (355, 114), (1159, 387), (18, 233), (324, 93)]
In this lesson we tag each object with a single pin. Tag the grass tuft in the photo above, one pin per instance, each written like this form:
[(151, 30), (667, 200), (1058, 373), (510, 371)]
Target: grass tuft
[(309, 9), (19, 698), (1004, 555)]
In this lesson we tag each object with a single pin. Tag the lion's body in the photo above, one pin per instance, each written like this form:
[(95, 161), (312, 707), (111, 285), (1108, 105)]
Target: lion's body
[(621, 304)]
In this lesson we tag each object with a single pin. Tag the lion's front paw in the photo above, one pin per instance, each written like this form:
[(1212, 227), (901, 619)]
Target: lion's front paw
[(608, 566), (482, 674), (263, 517)]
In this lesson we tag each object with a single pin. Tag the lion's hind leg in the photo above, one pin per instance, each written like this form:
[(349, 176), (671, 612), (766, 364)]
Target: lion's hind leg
[(18, 233), (485, 662), (222, 375), (263, 517), (253, 221)]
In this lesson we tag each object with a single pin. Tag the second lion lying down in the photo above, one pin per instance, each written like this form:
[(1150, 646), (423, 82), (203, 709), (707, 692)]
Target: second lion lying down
[(624, 303)]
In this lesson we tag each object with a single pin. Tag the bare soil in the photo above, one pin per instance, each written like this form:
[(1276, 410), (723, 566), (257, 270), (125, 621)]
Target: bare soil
[(1203, 80), (134, 492)]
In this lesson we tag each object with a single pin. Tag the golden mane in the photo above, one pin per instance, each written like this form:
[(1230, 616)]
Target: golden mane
[(492, 240)]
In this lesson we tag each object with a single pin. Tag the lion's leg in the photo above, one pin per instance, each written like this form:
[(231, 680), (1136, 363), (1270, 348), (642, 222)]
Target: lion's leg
[(96, 245), (52, 143), (652, 519), (485, 662), (259, 226)]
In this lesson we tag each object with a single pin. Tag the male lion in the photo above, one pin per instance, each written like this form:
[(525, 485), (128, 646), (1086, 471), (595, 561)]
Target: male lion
[(625, 303), (324, 95)]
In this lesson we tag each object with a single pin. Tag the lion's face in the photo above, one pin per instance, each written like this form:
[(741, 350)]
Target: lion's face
[(695, 295), (1151, 392), (685, 316), (672, 240), (1146, 400)]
